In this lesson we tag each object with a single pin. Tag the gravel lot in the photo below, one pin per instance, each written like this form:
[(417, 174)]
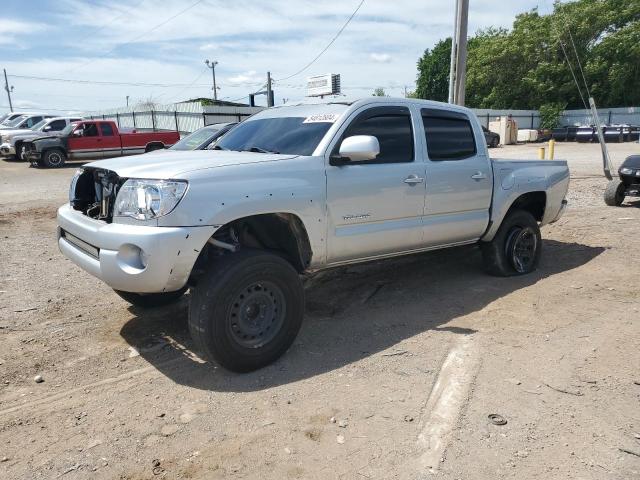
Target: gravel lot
[(124, 396)]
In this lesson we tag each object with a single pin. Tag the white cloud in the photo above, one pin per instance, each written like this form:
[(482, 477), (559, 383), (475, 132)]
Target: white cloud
[(246, 78), (208, 47), (380, 57), (11, 31), (115, 40)]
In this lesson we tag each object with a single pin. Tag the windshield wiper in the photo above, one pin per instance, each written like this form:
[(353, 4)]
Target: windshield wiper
[(218, 147), (258, 150)]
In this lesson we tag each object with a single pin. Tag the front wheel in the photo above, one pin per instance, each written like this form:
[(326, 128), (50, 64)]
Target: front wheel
[(614, 193), (151, 300), (246, 310), (53, 158), (516, 247)]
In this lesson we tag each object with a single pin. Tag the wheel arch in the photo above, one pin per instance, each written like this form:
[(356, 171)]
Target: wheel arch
[(281, 232), (534, 202), (154, 145)]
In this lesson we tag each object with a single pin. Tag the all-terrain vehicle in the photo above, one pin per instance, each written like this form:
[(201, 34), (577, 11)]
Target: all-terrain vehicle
[(627, 185)]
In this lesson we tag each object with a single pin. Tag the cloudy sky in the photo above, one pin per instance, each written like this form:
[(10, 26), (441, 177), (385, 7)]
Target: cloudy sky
[(165, 42)]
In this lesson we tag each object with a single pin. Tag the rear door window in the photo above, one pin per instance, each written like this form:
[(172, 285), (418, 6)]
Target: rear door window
[(449, 135), (106, 129)]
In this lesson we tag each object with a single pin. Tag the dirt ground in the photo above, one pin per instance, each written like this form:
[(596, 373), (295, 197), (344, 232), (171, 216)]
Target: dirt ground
[(124, 396)]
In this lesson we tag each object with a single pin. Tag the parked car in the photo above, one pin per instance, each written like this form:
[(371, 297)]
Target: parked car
[(11, 140), (492, 138), (23, 121), (293, 190), (10, 116), (627, 183), (93, 139), (203, 137)]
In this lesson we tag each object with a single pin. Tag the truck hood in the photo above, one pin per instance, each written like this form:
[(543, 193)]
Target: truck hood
[(164, 164), (14, 132)]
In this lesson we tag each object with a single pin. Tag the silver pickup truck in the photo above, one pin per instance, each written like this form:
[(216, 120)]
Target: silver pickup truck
[(293, 190)]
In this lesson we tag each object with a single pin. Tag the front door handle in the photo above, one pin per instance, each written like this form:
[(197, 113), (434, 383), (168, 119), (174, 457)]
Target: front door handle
[(479, 176), (413, 180)]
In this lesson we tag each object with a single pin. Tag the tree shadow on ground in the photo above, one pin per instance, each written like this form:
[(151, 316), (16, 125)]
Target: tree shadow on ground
[(352, 313)]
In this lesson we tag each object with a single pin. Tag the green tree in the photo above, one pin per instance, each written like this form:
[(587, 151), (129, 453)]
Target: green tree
[(531, 64), (433, 72), (379, 92)]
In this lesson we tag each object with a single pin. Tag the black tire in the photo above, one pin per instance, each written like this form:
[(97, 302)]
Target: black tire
[(153, 147), (516, 247), (18, 149), (53, 158), (614, 193), (151, 300), (246, 310), (494, 143)]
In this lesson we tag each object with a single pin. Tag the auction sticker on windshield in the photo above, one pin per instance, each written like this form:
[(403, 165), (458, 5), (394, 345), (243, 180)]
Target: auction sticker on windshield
[(321, 117)]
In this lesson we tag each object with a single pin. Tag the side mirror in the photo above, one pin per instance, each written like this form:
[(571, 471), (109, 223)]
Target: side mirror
[(47, 128), (360, 148)]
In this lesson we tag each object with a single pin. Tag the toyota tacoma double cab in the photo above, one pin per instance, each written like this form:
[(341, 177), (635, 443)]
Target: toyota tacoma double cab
[(93, 139), (293, 190)]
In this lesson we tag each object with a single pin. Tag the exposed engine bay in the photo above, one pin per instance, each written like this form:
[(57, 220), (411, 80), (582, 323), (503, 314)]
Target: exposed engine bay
[(94, 193)]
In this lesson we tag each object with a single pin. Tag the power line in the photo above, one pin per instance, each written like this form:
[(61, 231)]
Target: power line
[(575, 51), (105, 25), (141, 35), (328, 45), (128, 84), (190, 85)]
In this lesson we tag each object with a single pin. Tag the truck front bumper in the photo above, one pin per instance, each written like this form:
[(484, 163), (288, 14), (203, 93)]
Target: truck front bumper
[(132, 258)]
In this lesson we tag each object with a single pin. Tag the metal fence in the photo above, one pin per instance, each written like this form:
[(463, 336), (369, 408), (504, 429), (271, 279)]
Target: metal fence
[(524, 118), (181, 117), (608, 116)]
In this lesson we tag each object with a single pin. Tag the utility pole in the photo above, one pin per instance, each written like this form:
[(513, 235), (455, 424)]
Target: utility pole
[(9, 90), (458, 66), (212, 66), (454, 52), (127, 100), (269, 91)]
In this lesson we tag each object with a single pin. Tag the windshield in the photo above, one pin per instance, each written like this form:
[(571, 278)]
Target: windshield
[(68, 129), (9, 117), (40, 124), (16, 121), (286, 135), (194, 140)]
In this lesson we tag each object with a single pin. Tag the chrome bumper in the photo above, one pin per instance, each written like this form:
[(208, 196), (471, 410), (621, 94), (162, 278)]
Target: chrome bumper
[(132, 258), (7, 149)]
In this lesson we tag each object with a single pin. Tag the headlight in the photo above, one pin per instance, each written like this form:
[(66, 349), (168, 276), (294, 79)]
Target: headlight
[(146, 199), (74, 182)]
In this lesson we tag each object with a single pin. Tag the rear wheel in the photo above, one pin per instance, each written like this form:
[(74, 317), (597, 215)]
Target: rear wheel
[(151, 300), (246, 310), (53, 158), (614, 193), (516, 247)]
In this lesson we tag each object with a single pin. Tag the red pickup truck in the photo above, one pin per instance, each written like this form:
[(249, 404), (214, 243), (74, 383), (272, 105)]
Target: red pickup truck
[(93, 139)]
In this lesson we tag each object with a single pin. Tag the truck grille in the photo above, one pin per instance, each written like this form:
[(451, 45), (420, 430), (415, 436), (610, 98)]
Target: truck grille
[(95, 193)]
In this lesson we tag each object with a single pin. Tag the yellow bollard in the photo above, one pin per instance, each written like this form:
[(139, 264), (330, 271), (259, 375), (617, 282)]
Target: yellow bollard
[(541, 153), (552, 149)]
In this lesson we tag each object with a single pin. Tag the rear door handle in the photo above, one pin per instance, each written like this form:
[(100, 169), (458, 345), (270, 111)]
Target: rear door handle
[(479, 176), (413, 180)]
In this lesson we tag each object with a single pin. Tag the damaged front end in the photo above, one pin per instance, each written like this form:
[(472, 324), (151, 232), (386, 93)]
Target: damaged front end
[(93, 191)]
